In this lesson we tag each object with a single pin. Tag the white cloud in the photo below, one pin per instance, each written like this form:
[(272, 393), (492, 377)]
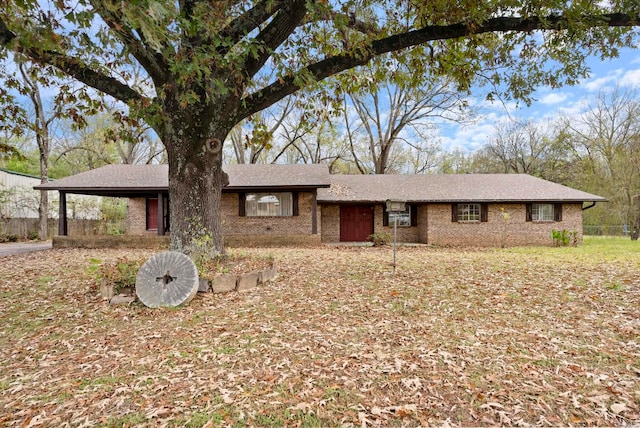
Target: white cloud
[(553, 98), (596, 85), (631, 78)]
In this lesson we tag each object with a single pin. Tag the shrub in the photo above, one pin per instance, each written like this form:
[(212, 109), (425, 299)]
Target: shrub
[(120, 273), (8, 237), (380, 239), (564, 237)]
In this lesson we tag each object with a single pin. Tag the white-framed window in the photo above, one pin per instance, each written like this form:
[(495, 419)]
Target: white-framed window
[(469, 212), (542, 212), (402, 217), (276, 204)]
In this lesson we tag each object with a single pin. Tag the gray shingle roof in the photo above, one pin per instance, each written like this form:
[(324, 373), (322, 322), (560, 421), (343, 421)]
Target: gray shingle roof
[(110, 179), (275, 176), (123, 180), (449, 188), (140, 179)]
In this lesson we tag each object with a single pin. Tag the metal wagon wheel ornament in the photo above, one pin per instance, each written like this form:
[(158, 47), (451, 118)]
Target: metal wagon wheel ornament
[(167, 279)]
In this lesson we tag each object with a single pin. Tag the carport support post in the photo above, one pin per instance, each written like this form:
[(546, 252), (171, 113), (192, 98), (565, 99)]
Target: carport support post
[(62, 214), (160, 214)]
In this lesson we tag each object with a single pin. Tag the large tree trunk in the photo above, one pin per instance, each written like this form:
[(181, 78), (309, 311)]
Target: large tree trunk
[(193, 138), (195, 196)]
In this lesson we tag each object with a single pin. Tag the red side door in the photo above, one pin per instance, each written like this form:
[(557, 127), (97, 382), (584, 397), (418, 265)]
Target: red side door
[(152, 214), (356, 222)]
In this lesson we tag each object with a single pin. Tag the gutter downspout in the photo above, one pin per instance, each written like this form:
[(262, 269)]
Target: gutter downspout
[(593, 204)]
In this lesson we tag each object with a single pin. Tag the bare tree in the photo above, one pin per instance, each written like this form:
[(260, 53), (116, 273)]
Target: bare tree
[(605, 140), (394, 118), (251, 139), (320, 144), (40, 125), (527, 147)]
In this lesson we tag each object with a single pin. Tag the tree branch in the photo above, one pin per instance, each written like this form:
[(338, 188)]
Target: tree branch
[(77, 69), (355, 24), (332, 65), (72, 66), (250, 20), (6, 35), (275, 33), (154, 64)]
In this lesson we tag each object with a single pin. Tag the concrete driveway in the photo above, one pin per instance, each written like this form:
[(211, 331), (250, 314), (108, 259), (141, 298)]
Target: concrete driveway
[(14, 248)]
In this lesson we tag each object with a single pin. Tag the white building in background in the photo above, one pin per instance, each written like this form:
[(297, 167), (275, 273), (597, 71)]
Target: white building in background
[(18, 199)]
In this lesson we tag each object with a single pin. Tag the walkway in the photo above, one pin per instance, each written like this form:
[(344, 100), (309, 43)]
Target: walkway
[(14, 248)]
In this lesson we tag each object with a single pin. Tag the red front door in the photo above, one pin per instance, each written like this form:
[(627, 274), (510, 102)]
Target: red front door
[(356, 223)]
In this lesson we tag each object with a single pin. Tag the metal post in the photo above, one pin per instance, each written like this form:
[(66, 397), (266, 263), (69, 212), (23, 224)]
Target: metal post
[(395, 233)]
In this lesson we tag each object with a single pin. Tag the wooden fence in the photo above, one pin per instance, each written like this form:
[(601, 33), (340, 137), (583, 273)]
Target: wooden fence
[(27, 228)]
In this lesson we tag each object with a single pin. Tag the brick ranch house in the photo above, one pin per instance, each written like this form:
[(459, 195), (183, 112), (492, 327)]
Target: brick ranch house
[(304, 204)]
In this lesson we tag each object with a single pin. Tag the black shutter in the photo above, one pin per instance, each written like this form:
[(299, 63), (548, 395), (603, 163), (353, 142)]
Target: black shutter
[(484, 212), (242, 210), (454, 212), (385, 216), (557, 212), (414, 215), (529, 214), (294, 199)]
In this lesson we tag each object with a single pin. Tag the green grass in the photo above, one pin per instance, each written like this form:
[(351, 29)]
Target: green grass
[(609, 245), (132, 419), (600, 247)]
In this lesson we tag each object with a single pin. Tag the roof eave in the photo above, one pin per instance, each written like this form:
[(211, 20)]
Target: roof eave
[(454, 201), (232, 189)]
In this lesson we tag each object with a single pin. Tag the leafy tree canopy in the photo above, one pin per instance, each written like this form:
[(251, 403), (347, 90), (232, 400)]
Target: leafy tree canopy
[(207, 49), (211, 64)]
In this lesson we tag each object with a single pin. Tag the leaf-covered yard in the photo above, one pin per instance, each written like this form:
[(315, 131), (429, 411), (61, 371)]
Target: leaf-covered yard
[(457, 337)]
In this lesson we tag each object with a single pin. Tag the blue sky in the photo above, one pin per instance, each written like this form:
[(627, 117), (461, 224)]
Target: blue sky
[(623, 71), (549, 103)]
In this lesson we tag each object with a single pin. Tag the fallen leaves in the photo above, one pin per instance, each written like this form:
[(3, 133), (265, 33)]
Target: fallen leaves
[(455, 338)]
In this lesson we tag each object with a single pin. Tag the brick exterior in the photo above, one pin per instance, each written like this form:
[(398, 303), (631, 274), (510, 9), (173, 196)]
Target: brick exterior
[(233, 225), (330, 222), (497, 231), (435, 226), (137, 217), (331, 225), (404, 234)]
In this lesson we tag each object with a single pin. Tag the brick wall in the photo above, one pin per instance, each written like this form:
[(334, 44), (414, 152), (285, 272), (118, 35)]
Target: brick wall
[(497, 231), (404, 234), (234, 225), (435, 226), (330, 223), (137, 217), (423, 230)]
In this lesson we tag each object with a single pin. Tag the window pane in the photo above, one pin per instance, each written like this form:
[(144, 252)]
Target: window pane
[(542, 212), (269, 204), (468, 212), (403, 218)]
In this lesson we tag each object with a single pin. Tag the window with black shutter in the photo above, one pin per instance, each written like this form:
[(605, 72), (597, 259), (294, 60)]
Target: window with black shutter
[(406, 218)]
